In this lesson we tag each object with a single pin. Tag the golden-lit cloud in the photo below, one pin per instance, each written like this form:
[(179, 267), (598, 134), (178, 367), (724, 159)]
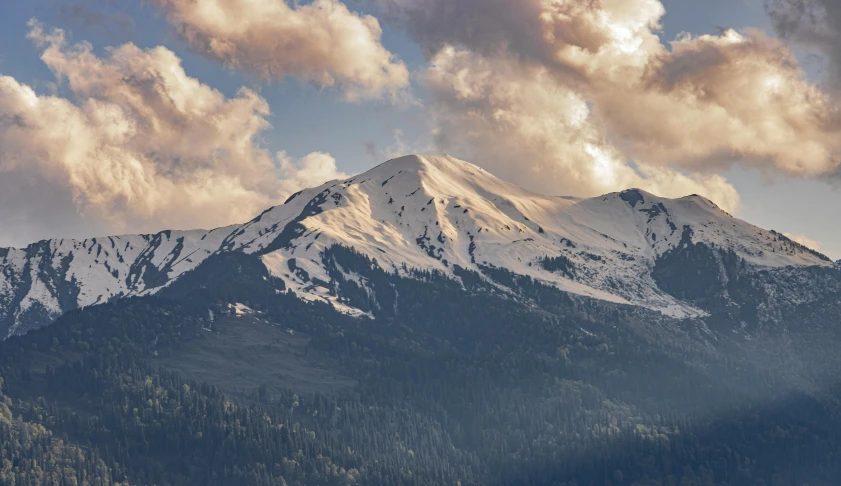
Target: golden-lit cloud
[(584, 96), (322, 42), (142, 145), (713, 101), (309, 171), (517, 120)]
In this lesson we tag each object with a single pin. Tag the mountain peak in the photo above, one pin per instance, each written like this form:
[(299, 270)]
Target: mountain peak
[(426, 167), (438, 213), (417, 212), (420, 163), (634, 196), (697, 198)]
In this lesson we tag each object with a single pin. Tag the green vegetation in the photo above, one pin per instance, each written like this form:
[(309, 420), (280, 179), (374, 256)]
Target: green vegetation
[(469, 386), (31, 454)]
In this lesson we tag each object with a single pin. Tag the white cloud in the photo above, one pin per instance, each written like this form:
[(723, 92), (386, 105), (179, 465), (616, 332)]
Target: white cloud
[(142, 146), (309, 171), (564, 93), (322, 42), (515, 119)]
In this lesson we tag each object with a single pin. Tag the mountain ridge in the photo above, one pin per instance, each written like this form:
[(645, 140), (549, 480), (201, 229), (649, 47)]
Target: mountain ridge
[(433, 213)]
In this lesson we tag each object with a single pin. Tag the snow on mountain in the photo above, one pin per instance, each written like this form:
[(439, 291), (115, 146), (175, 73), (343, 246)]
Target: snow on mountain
[(425, 213), (48, 278), (438, 212)]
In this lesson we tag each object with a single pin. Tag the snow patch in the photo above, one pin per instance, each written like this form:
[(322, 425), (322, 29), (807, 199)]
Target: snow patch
[(242, 309)]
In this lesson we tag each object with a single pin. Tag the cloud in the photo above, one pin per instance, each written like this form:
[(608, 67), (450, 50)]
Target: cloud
[(517, 120), (399, 147), (813, 24), (715, 101), (561, 33), (803, 240), (585, 95), (322, 42), (142, 145), (309, 171)]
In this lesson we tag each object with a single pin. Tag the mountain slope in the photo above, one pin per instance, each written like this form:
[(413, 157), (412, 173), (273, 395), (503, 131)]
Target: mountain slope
[(453, 385), (421, 213), (437, 213), (50, 277)]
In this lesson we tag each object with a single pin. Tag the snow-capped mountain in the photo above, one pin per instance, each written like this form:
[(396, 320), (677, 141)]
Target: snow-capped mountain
[(48, 278), (413, 213)]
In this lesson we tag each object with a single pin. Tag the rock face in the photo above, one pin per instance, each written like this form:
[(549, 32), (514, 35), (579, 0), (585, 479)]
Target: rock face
[(677, 256)]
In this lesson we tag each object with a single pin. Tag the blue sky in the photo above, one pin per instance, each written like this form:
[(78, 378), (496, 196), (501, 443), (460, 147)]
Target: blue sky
[(306, 118)]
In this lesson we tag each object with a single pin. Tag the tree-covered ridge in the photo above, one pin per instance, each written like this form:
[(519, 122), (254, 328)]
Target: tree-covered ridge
[(467, 383), (31, 454)]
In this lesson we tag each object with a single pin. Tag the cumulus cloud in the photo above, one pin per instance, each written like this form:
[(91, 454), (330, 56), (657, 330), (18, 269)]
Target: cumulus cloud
[(713, 101), (309, 171), (142, 145), (322, 42), (517, 120), (587, 93)]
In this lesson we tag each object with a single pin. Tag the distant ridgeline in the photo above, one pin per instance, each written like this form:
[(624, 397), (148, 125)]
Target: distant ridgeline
[(417, 215), (423, 324)]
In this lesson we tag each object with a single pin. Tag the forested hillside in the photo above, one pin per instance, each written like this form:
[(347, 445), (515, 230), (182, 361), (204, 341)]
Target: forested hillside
[(456, 383)]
